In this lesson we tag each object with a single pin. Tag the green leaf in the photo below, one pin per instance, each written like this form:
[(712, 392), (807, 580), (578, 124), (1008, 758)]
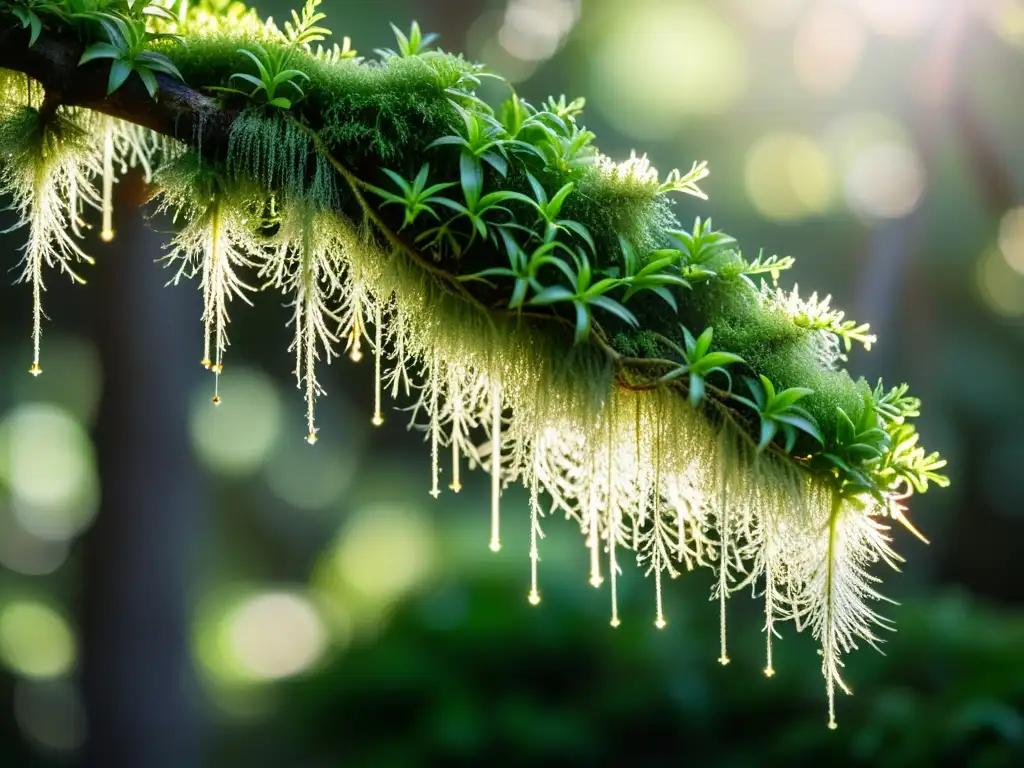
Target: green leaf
[(264, 74), (99, 51), (280, 102), (159, 63), (252, 80), (472, 176), (613, 307), (768, 430), (714, 360), (696, 389), (551, 295), (789, 397), (803, 423), (675, 373), (119, 72), (702, 344), (448, 140), (554, 206), (148, 80)]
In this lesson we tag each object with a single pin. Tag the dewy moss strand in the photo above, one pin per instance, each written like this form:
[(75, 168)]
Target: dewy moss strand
[(541, 304)]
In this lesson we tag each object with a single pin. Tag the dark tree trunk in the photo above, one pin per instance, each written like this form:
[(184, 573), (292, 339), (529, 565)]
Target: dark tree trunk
[(138, 680)]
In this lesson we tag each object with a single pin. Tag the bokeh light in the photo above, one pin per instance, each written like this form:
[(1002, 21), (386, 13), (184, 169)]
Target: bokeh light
[(72, 377), (883, 174), (23, 551), (533, 30), (901, 18), (47, 462), (382, 552), (789, 176), (1011, 239), (50, 713), (828, 47), (769, 13), (1006, 18), (249, 635), (235, 437), (885, 181), (1000, 286), (664, 62), (35, 640), (312, 479), (274, 635)]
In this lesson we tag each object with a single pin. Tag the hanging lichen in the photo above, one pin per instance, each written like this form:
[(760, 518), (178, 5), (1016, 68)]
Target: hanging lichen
[(538, 304)]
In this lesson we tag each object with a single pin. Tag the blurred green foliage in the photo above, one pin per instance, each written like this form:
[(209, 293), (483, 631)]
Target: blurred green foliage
[(464, 677)]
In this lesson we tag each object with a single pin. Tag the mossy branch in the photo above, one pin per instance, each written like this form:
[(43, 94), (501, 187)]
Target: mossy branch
[(180, 112), (525, 287)]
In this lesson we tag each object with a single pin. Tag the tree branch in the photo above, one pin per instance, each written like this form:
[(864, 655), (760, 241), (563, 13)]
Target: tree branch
[(179, 111)]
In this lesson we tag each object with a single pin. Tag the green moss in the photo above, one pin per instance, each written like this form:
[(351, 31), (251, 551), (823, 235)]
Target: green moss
[(377, 115)]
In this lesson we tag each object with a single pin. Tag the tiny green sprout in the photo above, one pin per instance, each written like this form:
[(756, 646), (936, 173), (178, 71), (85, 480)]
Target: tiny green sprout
[(746, 270), (584, 295), (702, 244), (274, 74), (338, 53), (485, 140), (658, 275), (856, 447), (686, 183), (895, 406), (302, 31), (779, 412), (548, 211), (519, 117), (699, 362), (416, 198), (126, 47), (571, 151), (907, 462), (565, 109), (412, 44), (524, 267), (478, 204)]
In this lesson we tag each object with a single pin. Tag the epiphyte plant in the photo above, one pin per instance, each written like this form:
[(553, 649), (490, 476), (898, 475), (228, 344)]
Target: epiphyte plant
[(537, 300)]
